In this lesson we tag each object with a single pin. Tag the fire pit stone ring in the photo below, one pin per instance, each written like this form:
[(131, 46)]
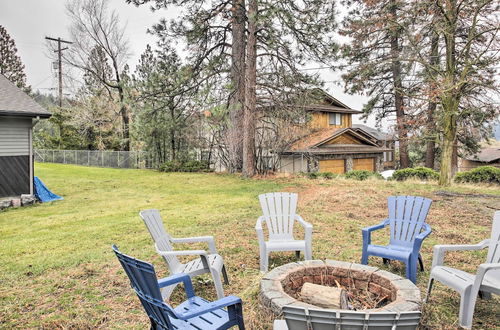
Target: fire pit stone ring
[(276, 286)]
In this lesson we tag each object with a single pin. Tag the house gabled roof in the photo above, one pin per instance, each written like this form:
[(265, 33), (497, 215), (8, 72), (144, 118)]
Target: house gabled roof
[(376, 133), (15, 102), (486, 155), (331, 104), (317, 143)]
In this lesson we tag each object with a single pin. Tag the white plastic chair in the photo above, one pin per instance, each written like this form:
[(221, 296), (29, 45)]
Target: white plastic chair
[(279, 215), (206, 263), (485, 282)]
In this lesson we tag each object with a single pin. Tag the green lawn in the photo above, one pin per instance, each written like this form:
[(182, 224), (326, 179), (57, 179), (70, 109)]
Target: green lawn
[(57, 269)]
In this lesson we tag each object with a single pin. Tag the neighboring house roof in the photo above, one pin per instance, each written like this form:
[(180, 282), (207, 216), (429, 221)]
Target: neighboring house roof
[(333, 105), (376, 133), (486, 155), (15, 102), (317, 143)]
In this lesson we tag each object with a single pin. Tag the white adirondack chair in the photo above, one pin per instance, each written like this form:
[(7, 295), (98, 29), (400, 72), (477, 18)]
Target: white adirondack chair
[(206, 263), (485, 282), (279, 214)]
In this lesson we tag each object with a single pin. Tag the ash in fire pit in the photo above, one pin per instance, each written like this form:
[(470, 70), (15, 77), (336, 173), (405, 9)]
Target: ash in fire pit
[(368, 288)]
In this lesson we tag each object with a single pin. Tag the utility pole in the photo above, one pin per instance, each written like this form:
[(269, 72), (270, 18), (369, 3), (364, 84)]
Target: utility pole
[(59, 62)]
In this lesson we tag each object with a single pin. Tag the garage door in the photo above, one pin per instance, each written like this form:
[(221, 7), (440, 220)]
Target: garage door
[(332, 165), (364, 164)]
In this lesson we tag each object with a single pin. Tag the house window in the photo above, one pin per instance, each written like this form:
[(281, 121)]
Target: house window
[(335, 119)]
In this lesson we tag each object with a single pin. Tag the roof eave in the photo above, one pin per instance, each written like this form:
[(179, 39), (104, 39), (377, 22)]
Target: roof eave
[(24, 114)]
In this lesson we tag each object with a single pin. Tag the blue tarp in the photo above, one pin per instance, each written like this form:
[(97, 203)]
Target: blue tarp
[(43, 194)]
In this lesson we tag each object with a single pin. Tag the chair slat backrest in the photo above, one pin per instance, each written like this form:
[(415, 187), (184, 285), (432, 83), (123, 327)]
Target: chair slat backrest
[(143, 279), (298, 318), (494, 248), (162, 239), (407, 216), (279, 212)]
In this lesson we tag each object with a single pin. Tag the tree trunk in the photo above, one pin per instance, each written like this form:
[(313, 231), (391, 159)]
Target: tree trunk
[(450, 108), (237, 98), (430, 153), (404, 160), (250, 92), (450, 99)]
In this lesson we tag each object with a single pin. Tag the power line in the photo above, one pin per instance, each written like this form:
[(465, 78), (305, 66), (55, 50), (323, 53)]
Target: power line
[(59, 60)]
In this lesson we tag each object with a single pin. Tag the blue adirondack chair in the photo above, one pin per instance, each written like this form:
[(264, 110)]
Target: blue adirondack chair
[(194, 313), (408, 229)]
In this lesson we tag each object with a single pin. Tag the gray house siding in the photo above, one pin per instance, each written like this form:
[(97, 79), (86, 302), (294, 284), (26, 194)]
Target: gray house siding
[(15, 146), (15, 136)]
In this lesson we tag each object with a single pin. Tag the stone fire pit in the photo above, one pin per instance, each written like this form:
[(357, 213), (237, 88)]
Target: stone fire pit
[(279, 287)]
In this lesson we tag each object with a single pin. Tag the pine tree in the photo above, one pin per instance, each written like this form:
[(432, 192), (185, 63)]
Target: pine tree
[(11, 65), (375, 63)]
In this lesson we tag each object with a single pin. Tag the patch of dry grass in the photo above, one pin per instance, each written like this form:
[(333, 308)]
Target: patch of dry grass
[(58, 270)]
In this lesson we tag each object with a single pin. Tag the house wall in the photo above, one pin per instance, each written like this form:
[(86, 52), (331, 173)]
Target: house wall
[(295, 163), (15, 150), (321, 120), (467, 165)]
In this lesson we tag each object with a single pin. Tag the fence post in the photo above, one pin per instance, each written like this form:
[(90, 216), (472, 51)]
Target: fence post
[(64, 156), (102, 157), (88, 157)]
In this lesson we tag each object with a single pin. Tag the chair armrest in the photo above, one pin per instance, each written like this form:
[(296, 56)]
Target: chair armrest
[(421, 236), (439, 250), (209, 239), (307, 226), (259, 230), (368, 230), (482, 270), (209, 307), (177, 278)]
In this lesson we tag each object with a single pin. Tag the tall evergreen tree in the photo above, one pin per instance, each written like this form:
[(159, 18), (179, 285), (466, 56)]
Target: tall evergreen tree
[(165, 98), (11, 65), (290, 34), (374, 57)]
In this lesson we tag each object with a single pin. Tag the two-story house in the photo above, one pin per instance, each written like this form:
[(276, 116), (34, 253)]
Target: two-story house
[(335, 145)]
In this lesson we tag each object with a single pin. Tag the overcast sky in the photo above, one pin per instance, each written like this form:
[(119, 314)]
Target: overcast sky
[(29, 21)]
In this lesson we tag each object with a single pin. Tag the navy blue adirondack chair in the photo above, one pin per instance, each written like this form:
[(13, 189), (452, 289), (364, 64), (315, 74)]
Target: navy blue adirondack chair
[(194, 313), (408, 229)]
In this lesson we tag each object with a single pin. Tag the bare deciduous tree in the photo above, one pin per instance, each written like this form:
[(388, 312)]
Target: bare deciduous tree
[(94, 25)]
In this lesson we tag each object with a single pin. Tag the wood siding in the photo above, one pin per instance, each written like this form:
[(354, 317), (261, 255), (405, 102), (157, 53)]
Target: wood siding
[(14, 136), (332, 165), (14, 176), (364, 164), (344, 139), (321, 120)]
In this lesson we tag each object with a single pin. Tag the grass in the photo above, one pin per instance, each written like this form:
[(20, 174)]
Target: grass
[(58, 271)]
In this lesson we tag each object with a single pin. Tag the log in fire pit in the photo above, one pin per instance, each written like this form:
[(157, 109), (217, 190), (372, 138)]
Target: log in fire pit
[(369, 289)]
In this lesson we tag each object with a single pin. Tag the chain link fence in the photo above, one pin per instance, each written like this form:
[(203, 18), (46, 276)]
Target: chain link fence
[(98, 158)]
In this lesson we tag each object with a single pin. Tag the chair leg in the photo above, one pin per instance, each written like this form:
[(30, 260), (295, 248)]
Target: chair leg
[(411, 270), (467, 304), (297, 254), (364, 257), (264, 255), (429, 289), (308, 252), (420, 262), (224, 274), (218, 283)]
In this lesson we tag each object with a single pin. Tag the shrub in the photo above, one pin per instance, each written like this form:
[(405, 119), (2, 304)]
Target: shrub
[(362, 175), (482, 174), (422, 173), (312, 175), (327, 175), (184, 166)]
